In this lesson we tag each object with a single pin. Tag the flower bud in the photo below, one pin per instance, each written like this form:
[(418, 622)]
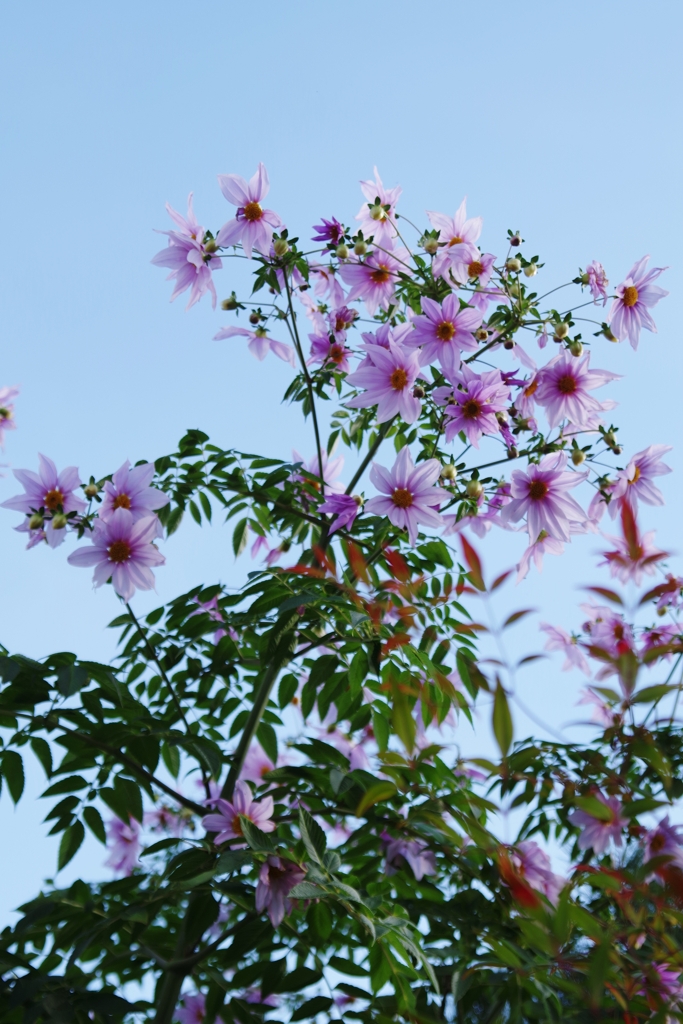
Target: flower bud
[(610, 438), (419, 391), (531, 270), (474, 489), (342, 251), (576, 348), (513, 452), (254, 318), (513, 265), (561, 331), (608, 334), (35, 522), (449, 472), (229, 303), (482, 334), (358, 500), (211, 245), (584, 279), (429, 244), (617, 449), (360, 248), (515, 240), (280, 247), (578, 456), (502, 416), (91, 490), (508, 344), (59, 521), (513, 288)]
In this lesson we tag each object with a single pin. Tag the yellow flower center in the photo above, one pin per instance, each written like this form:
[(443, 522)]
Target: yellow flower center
[(253, 211), (471, 409), (119, 551), (630, 296), (636, 476), (402, 498), (381, 275), (566, 385), (53, 499), (455, 241), (538, 490), (121, 501), (398, 379), (445, 331), (531, 390), (475, 269)]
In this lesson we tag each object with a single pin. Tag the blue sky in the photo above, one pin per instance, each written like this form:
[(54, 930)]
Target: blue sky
[(557, 119)]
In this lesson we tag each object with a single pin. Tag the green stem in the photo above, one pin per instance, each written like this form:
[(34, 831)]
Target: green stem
[(294, 331), (261, 698), (372, 451)]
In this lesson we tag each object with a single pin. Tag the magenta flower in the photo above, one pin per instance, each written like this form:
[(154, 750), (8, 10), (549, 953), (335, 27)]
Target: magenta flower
[(259, 343), (540, 494), (388, 378), (543, 545), (412, 852), (325, 284), (411, 499), (276, 880), (122, 550), (457, 237), (664, 841), (191, 257), (123, 838), (632, 556), (563, 390), (597, 281), (344, 506), (374, 279), (597, 832), (635, 482), (129, 488), (560, 640), (534, 867), (47, 492), (472, 405), (7, 411), (227, 821), (256, 764), (602, 713), (329, 352), (252, 225), (193, 1009), (635, 296), (445, 331), (330, 231), (377, 218), (340, 320)]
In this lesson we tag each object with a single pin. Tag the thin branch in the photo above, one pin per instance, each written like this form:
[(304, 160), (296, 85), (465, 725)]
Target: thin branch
[(372, 451)]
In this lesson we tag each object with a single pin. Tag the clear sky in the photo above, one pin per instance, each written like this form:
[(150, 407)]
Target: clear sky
[(562, 120)]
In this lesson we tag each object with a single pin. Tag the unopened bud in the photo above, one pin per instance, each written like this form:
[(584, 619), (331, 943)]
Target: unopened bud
[(419, 391), (662, 612), (513, 452), (358, 500), (578, 456), (474, 489), (513, 288), (449, 472), (342, 251), (59, 521), (211, 245), (561, 331), (377, 211), (608, 334), (610, 438), (502, 416), (230, 303), (91, 490), (617, 449), (280, 247), (508, 344), (360, 248), (254, 318), (576, 348), (515, 240), (482, 334), (35, 522), (513, 265), (430, 244), (531, 270)]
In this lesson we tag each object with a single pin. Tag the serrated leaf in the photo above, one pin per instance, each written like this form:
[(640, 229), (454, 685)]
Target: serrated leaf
[(71, 679), (70, 843), (381, 791), (256, 839), (319, 1004), (307, 891), (312, 835), (239, 537), (41, 748)]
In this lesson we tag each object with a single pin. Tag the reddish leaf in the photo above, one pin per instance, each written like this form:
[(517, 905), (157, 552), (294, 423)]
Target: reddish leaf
[(520, 890), (473, 561), (357, 562), (397, 564), (499, 580), (516, 616), (629, 527), (609, 595)]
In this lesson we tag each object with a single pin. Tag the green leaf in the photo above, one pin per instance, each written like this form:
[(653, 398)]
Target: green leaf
[(174, 520), (287, 689), (239, 537), (319, 1004), (380, 727), (163, 844), (13, 771), (502, 720), (93, 820), (372, 796), (70, 843), (170, 755), (265, 734), (299, 978), (308, 891), (71, 679), (652, 693), (206, 505), (41, 748), (69, 785), (402, 720), (347, 967), (313, 836), (257, 839)]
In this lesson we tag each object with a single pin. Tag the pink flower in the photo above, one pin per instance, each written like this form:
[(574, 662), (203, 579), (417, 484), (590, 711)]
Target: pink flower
[(388, 378), (634, 297), (129, 488), (331, 353), (472, 266), (330, 231), (377, 218), (445, 331), (193, 1009), (540, 494), (191, 257), (256, 764), (413, 852), (48, 492), (602, 714), (664, 841), (7, 411), (597, 281), (252, 225), (165, 819), (122, 550), (635, 482), (597, 832), (374, 279), (344, 506), (560, 640), (631, 558), (213, 611), (472, 405), (543, 545), (481, 522), (340, 320), (411, 498), (227, 821), (534, 867), (276, 879), (667, 984), (661, 636), (457, 237), (259, 343), (325, 284), (332, 467), (123, 838), (563, 389)]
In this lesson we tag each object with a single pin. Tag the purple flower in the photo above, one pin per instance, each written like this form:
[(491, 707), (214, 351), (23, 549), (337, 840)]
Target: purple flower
[(413, 852), (326, 284), (122, 550), (129, 488), (165, 819), (256, 764), (213, 611), (634, 297), (457, 237), (344, 506), (540, 494), (563, 390), (327, 351), (597, 281), (664, 841), (597, 832), (193, 1009), (377, 218), (331, 231), (340, 320), (7, 411), (472, 266), (445, 331), (123, 838), (252, 225), (632, 556), (472, 405), (388, 378), (411, 497), (47, 492), (189, 257), (332, 467), (227, 821), (259, 343), (374, 279), (276, 879), (602, 714), (543, 545), (560, 640), (534, 867), (635, 482)]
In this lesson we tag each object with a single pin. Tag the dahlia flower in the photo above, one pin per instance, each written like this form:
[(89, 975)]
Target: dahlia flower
[(635, 296), (252, 225), (411, 499), (122, 550)]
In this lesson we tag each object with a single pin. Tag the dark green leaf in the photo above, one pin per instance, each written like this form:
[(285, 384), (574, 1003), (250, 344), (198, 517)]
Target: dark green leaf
[(70, 843)]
